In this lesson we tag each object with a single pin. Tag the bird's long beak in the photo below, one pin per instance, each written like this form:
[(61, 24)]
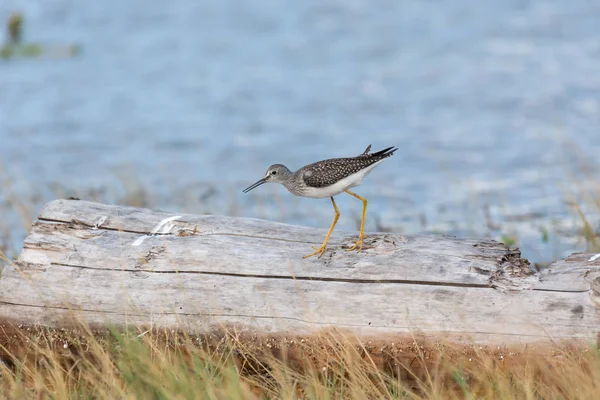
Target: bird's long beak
[(255, 185)]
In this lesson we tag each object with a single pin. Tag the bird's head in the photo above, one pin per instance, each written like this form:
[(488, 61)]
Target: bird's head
[(278, 173)]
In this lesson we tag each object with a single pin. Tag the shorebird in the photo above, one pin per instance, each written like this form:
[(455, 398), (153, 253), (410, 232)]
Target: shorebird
[(328, 178)]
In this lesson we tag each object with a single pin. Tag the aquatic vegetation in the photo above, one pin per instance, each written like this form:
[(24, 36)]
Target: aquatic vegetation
[(15, 47)]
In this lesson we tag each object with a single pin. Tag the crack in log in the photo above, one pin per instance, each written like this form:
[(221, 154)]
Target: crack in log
[(288, 277), (321, 279), (75, 223)]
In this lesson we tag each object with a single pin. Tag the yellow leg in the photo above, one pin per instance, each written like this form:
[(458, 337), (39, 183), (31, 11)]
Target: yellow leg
[(321, 249), (359, 242)]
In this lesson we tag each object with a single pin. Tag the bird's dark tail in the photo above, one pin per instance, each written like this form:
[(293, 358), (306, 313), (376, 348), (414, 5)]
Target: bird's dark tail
[(385, 152)]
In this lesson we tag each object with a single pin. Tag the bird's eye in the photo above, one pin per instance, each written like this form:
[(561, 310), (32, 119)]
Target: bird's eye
[(273, 172)]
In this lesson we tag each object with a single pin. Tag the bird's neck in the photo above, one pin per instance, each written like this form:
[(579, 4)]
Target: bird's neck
[(289, 181)]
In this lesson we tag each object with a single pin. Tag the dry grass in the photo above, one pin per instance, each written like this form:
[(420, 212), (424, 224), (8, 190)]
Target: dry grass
[(65, 364)]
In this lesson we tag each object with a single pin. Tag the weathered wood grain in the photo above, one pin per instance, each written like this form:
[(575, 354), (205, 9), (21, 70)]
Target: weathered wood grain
[(60, 244), (276, 305), (575, 273), (119, 265)]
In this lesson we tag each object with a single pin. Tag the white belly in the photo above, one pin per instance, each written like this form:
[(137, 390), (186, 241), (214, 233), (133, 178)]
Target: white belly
[(340, 186)]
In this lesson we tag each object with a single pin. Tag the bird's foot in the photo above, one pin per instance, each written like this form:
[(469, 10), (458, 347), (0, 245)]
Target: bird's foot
[(318, 250), (358, 244)]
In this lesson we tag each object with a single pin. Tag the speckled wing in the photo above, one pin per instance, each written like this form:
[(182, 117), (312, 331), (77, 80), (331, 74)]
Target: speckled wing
[(327, 172)]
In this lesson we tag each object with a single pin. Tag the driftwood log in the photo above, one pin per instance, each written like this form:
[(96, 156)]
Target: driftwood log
[(112, 265)]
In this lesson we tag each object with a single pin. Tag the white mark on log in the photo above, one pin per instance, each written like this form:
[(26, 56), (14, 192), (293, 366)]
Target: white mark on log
[(167, 228), (165, 225), (139, 241), (595, 257), (99, 223)]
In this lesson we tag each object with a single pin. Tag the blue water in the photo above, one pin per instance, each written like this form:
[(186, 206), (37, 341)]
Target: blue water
[(493, 105)]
